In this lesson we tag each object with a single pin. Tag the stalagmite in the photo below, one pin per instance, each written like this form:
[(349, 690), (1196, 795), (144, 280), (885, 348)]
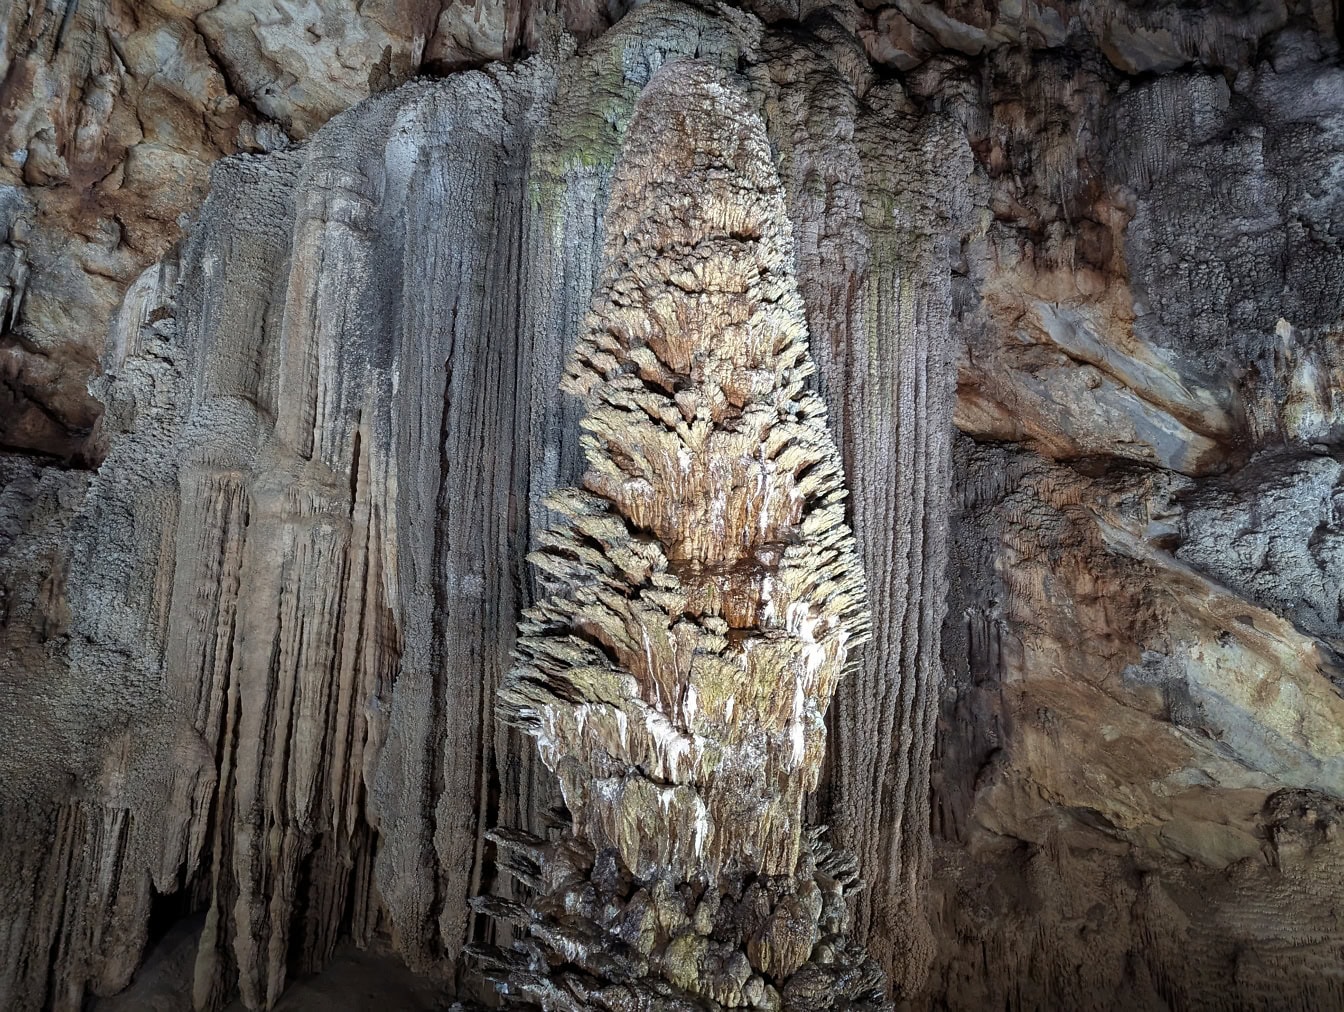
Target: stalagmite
[(705, 597)]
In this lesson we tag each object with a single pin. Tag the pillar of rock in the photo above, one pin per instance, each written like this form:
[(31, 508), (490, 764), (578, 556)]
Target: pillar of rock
[(704, 597)]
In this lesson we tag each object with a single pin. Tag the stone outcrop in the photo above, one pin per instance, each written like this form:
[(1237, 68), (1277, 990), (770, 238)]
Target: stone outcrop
[(283, 331), (112, 113)]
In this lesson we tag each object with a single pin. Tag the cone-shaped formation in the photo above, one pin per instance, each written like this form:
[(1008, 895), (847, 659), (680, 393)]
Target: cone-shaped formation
[(707, 588), (705, 597)]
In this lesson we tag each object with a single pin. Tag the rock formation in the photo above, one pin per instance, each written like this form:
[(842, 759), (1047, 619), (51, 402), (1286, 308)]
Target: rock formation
[(707, 598), (286, 294)]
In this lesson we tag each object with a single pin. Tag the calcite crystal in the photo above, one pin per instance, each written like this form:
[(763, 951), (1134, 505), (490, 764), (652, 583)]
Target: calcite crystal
[(705, 598)]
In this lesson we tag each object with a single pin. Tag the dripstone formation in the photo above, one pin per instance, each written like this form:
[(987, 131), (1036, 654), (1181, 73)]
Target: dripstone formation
[(705, 597), (287, 295)]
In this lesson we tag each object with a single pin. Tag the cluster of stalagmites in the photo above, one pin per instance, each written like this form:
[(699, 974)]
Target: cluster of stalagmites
[(704, 598), (596, 937)]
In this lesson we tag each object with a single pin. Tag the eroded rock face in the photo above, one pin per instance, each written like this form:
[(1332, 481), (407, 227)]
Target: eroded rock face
[(112, 113), (251, 658), (1124, 625), (1117, 316), (1132, 682)]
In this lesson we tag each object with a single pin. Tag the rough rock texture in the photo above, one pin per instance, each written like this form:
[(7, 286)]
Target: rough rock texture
[(113, 111), (707, 594), (707, 597), (879, 197), (249, 660), (1142, 645), (1202, 717), (598, 938)]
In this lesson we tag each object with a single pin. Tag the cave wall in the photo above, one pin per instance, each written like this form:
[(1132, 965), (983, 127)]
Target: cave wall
[(1138, 747), (252, 655)]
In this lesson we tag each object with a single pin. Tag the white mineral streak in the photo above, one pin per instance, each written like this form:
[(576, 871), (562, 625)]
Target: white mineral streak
[(670, 746), (796, 730)]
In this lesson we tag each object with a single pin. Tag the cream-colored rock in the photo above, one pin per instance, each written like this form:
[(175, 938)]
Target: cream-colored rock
[(300, 62), (112, 116)]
